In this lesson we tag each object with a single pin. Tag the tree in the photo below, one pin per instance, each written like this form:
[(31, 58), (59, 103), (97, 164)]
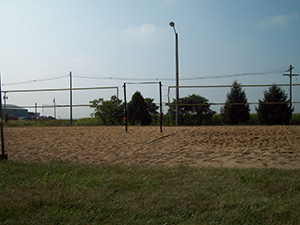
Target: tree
[(151, 107), (194, 110), (271, 113), (236, 109), (138, 110), (110, 112)]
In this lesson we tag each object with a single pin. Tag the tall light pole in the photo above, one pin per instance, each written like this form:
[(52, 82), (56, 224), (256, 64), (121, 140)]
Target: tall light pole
[(172, 24)]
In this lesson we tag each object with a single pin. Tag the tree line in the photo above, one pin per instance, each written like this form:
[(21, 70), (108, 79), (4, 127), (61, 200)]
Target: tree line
[(194, 109)]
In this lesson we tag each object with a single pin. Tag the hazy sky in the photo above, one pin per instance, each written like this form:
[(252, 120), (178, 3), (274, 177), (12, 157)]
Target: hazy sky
[(41, 39)]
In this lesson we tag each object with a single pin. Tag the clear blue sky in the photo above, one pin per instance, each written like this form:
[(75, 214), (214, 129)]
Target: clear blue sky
[(41, 39)]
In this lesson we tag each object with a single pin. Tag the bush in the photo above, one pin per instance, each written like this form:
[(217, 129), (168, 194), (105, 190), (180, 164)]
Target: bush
[(254, 120), (216, 119), (296, 119)]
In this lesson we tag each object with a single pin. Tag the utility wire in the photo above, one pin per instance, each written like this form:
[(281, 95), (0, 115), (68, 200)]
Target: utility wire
[(272, 72), (34, 81), (113, 78), (297, 77), (269, 72)]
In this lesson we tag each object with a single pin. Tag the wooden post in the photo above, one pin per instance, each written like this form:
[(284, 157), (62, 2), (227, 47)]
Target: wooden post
[(35, 112), (125, 108), (291, 75), (291, 85)]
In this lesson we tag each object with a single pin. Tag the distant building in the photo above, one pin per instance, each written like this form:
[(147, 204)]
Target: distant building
[(14, 111), (32, 115)]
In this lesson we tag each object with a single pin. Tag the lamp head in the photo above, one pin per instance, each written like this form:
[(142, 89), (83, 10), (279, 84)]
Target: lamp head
[(172, 24)]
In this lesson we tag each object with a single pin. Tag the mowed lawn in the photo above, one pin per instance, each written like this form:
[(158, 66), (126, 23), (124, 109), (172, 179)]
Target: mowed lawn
[(61, 192)]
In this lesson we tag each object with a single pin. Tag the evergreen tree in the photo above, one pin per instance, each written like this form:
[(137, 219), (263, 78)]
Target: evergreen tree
[(138, 111), (236, 109), (270, 113)]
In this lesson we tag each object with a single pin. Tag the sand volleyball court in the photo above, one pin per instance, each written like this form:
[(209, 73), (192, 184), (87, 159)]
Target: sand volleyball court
[(226, 146)]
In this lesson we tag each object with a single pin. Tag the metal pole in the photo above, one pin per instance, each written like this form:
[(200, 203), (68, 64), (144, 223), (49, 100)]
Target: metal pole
[(3, 156), (172, 24), (71, 100), (177, 78), (291, 68), (160, 106), (125, 108)]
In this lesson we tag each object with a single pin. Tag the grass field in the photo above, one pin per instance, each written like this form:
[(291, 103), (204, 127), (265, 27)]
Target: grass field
[(61, 192)]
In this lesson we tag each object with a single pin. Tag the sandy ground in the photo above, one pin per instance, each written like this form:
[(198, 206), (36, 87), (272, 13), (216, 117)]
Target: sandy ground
[(240, 146)]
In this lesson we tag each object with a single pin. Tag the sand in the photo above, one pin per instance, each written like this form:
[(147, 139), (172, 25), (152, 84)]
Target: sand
[(227, 146)]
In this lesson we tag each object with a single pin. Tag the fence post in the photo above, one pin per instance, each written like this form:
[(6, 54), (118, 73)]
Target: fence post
[(125, 108), (5, 98), (35, 112), (3, 156), (71, 100)]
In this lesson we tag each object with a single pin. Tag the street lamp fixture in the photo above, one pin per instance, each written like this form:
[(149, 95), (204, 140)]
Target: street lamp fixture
[(172, 24)]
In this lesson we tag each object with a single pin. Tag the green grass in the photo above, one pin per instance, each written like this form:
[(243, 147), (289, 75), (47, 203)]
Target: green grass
[(217, 119), (67, 193), (38, 123), (59, 122), (296, 119)]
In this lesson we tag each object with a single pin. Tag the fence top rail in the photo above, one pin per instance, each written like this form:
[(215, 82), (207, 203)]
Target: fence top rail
[(143, 82), (60, 89), (52, 106), (223, 103), (228, 86), (165, 103), (246, 85)]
